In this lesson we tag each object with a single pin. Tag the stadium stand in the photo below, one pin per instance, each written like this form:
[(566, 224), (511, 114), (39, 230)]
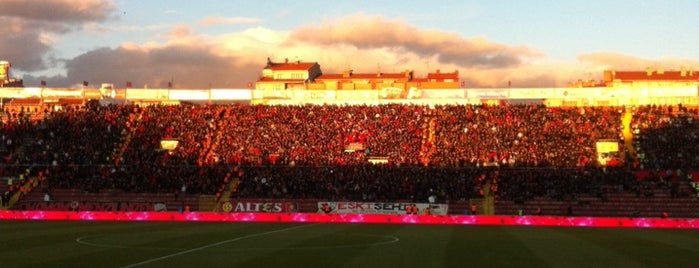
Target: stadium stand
[(525, 156)]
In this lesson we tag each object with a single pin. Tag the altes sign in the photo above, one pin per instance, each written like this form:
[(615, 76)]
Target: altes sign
[(242, 206)]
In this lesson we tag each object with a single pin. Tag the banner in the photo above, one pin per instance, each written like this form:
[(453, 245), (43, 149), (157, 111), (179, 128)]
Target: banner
[(379, 208), (146, 94), (350, 95), (393, 93), (607, 146), (353, 147), (231, 94), (168, 144), (607, 153), (20, 92), (90, 206), (62, 92), (455, 93), (378, 160), (189, 94), (159, 207), (258, 206)]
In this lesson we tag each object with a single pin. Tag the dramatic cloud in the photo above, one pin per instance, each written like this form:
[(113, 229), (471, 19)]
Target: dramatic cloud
[(189, 58), (57, 11), (366, 32), (23, 49), (186, 60), (29, 28), (185, 67)]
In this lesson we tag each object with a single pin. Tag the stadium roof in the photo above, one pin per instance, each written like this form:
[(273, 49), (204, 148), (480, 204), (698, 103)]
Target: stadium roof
[(441, 76), (290, 66), (655, 75), (349, 75), (272, 79)]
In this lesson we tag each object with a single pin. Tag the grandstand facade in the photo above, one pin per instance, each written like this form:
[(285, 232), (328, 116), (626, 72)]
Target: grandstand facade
[(442, 147), (297, 82)]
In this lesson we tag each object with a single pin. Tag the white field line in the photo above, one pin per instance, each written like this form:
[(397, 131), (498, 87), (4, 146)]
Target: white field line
[(211, 245), (392, 239)]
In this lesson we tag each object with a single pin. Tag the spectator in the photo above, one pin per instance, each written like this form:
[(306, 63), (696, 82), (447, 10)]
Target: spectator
[(448, 153)]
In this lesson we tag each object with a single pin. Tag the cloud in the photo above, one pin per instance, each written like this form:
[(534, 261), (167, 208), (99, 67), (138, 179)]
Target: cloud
[(23, 48), (213, 20), (365, 44), (102, 29), (621, 61), (188, 58), (374, 32), (186, 66), (57, 11), (30, 28)]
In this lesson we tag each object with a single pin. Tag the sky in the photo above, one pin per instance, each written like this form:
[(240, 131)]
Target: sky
[(225, 44)]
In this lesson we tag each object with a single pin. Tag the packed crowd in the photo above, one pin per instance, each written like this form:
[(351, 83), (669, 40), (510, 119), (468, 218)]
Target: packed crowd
[(564, 184), (404, 134), (364, 183), (303, 151), (320, 135), (523, 136), (666, 137)]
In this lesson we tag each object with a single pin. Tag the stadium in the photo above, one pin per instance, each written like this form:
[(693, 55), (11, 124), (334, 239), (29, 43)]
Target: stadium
[(348, 169)]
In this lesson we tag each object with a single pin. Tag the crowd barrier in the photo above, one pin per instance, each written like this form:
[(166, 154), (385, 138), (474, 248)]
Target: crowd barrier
[(475, 220)]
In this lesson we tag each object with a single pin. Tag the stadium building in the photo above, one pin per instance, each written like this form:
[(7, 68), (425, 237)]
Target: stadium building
[(437, 143), (5, 79)]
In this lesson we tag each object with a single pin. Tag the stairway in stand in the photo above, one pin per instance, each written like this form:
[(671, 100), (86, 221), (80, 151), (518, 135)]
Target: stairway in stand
[(213, 139), (225, 196), (428, 147), (627, 132), (132, 126)]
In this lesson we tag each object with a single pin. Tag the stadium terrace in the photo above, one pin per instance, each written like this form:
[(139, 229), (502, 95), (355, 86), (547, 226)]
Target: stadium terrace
[(301, 141)]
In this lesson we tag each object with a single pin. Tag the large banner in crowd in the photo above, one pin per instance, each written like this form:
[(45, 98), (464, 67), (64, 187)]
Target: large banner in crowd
[(380, 208)]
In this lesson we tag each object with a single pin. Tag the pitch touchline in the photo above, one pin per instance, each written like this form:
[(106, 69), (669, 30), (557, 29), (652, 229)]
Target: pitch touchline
[(211, 245), (392, 239), (83, 240)]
